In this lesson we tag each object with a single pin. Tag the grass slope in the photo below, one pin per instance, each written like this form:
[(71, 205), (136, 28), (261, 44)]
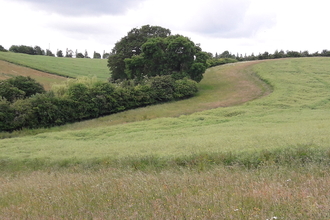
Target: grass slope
[(295, 114), (59, 65), (294, 120)]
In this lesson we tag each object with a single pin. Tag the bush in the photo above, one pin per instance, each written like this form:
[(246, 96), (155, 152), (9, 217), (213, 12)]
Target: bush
[(2, 49), (10, 92), (19, 87), (7, 115), (184, 88), (27, 84), (84, 98)]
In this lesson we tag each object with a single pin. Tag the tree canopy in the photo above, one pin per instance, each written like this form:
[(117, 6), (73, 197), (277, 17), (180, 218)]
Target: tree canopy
[(152, 51), (174, 55), (131, 45)]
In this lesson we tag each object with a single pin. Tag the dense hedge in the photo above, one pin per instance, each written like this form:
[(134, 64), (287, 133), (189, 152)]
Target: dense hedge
[(81, 100)]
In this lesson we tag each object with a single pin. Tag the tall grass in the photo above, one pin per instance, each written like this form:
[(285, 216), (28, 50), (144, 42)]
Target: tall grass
[(60, 66), (269, 192)]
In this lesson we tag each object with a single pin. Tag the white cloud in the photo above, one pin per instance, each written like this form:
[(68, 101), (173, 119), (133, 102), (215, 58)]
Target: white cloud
[(240, 26)]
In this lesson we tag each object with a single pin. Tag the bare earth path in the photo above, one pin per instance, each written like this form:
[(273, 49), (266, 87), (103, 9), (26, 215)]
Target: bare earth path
[(8, 70)]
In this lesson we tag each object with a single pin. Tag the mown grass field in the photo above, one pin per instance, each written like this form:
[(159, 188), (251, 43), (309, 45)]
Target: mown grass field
[(268, 157), (61, 66)]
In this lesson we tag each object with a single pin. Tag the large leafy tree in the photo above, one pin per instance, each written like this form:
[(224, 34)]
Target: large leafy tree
[(131, 45), (175, 55)]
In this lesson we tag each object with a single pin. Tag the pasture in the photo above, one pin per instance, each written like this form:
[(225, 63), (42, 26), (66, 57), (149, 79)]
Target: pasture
[(256, 149), (67, 67)]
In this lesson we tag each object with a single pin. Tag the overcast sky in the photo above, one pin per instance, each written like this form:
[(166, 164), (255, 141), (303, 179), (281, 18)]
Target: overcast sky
[(239, 26)]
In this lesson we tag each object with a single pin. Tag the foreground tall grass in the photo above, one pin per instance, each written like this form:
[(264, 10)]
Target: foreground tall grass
[(269, 192), (62, 66)]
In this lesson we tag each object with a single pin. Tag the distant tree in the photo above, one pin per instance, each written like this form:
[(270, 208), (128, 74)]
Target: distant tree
[(305, 53), (22, 49), (68, 53), (2, 49), (174, 55), (38, 51), (105, 55), (278, 54), (96, 55), (131, 45), (80, 55), (325, 53), (292, 54), (59, 53), (49, 53), (86, 54), (226, 54)]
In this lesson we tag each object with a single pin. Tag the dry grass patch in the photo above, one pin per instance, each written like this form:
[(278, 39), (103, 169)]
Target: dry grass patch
[(219, 193), (8, 70)]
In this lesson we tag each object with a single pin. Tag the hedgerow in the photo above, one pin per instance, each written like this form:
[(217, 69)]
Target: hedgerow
[(79, 99)]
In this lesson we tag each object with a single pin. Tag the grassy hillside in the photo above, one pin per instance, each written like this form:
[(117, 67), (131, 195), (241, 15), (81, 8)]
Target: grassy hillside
[(91, 170), (60, 66), (295, 114)]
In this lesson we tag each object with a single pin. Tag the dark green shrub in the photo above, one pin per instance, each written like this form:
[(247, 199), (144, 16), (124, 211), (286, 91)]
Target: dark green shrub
[(7, 115), (162, 87), (10, 92), (184, 88)]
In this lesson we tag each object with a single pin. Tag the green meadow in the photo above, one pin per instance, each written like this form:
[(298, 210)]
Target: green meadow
[(62, 66), (294, 114), (252, 144)]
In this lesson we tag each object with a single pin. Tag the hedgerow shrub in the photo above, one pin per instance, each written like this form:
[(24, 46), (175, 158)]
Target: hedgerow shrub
[(19, 87), (85, 99)]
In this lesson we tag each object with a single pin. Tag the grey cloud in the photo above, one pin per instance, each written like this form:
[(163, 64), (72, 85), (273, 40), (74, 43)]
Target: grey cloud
[(83, 7), (230, 20)]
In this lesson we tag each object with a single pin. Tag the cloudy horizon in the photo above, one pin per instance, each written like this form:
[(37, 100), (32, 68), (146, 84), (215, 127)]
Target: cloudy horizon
[(239, 26)]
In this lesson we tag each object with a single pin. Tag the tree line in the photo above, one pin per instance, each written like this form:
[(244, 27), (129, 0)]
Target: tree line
[(266, 55), (37, 50)]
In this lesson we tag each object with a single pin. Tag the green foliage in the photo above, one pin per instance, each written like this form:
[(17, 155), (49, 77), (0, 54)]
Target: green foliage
[(131, 45), (39, 51), (59, 53), (96, 55), (80, 55), (49, 53), (7, 115), (2, 49), (85, 98), (10, 92), (175, 55), (27, 84), (22, 49), (19, 87), (221, 61)]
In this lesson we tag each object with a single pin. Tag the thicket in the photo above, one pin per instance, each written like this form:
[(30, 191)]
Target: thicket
[(80, 99)]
